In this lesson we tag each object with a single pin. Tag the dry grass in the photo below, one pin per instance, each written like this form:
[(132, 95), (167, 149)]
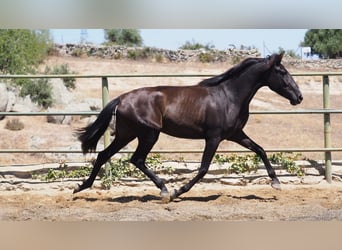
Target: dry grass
[(300, 131), (14, 124)]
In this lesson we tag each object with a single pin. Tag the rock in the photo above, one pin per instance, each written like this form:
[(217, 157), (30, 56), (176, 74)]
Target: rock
[(24, 105), (310, 180), (119, 52), (234, 181), (60, 94), (261, 181), (67, 119), (312, 171), (63, 100), (3, 99), (290, 180), (93, 103), (58, 119)]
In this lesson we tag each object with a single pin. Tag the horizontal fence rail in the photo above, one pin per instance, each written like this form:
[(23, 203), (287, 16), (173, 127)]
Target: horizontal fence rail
[(174, 151), (325, 111), (264, 112)]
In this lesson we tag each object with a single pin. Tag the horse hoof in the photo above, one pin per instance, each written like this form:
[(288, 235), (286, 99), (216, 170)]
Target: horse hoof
[(77, 189), (173, 194), (276, 185), (166, 198)]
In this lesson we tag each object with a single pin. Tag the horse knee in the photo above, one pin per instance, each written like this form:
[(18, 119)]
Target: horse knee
[(202, 172), (137, 161)]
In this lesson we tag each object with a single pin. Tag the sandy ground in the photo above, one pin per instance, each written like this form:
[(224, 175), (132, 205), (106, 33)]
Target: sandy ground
[(217, 197), (205, 202)]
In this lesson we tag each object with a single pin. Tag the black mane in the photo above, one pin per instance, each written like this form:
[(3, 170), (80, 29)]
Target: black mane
[(232, 72)]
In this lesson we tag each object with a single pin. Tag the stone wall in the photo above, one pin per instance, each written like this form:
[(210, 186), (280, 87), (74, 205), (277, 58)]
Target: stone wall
[(230, 55), (315, 65), (120, 52)]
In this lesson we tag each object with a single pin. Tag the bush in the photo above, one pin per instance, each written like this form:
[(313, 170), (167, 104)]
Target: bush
[(77, 53), (287, 161), (22, 50), (40, 91), (144, 53), (239, 164), (159, 58), (236, 59), (63, 69), (128, 37), (14, 125), (196, 46), (63, 172), (248, 163), (206, 57)]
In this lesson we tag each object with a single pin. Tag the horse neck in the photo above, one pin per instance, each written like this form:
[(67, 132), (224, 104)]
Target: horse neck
[(244, 88)]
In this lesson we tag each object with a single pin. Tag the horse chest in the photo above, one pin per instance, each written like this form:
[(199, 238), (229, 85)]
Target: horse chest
[(235, 121)]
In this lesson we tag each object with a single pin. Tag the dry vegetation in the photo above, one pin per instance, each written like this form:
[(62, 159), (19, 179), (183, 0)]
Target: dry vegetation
[(271, 131)]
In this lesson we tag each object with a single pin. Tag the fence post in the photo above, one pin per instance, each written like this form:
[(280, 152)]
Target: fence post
[(327, 128), (106, 136), (105, 100)]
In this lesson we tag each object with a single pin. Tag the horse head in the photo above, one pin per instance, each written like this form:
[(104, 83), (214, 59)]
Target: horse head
[(278, 79)]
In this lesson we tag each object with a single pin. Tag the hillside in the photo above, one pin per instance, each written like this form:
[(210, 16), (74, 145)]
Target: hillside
[(268, 130)]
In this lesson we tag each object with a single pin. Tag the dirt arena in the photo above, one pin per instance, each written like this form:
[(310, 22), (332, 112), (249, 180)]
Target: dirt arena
[(205, 202)]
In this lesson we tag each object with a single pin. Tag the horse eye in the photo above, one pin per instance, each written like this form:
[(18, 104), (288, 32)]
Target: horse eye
[(280, 71)]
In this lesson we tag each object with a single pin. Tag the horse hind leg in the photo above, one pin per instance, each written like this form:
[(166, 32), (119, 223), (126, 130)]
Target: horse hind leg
[(145, 144), (102, 158)]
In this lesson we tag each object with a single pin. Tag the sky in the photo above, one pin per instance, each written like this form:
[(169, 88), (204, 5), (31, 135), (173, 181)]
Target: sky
[(266, 41)]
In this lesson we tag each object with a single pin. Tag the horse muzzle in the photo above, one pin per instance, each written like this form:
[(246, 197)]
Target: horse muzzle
[(297, 100)]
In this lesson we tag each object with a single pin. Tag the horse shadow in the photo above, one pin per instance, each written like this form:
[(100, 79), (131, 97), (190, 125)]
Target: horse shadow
[(121, 199), (154, 198), (253, 197), (146, 198)]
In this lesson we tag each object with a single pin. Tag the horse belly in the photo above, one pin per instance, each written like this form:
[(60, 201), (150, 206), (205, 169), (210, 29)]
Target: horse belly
[(182, 130)]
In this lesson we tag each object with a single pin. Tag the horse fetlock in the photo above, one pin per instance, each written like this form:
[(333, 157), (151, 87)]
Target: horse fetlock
[(81, 187), (77, 189), (276, 184), (174, 194), (166, 197)]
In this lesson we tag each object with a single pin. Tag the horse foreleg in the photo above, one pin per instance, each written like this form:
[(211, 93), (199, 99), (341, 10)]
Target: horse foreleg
[(246, 142), (208, 154)]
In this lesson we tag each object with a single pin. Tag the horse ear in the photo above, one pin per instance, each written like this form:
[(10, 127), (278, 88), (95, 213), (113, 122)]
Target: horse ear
[(280, 57), (275, 59)]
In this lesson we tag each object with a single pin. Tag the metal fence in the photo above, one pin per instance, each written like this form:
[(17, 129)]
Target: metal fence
[(326, 111)]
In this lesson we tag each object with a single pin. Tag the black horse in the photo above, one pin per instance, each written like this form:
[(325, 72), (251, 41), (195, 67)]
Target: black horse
[(216, 109)]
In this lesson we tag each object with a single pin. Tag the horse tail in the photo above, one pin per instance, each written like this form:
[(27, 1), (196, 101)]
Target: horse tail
[(91, 134)]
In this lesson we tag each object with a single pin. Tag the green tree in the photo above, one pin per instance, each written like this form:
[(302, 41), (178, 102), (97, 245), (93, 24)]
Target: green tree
[(327, 43), (128, 37), (21, 50)]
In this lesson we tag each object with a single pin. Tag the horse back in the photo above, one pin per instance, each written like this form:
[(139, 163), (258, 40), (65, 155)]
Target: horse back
[(166, 108)]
